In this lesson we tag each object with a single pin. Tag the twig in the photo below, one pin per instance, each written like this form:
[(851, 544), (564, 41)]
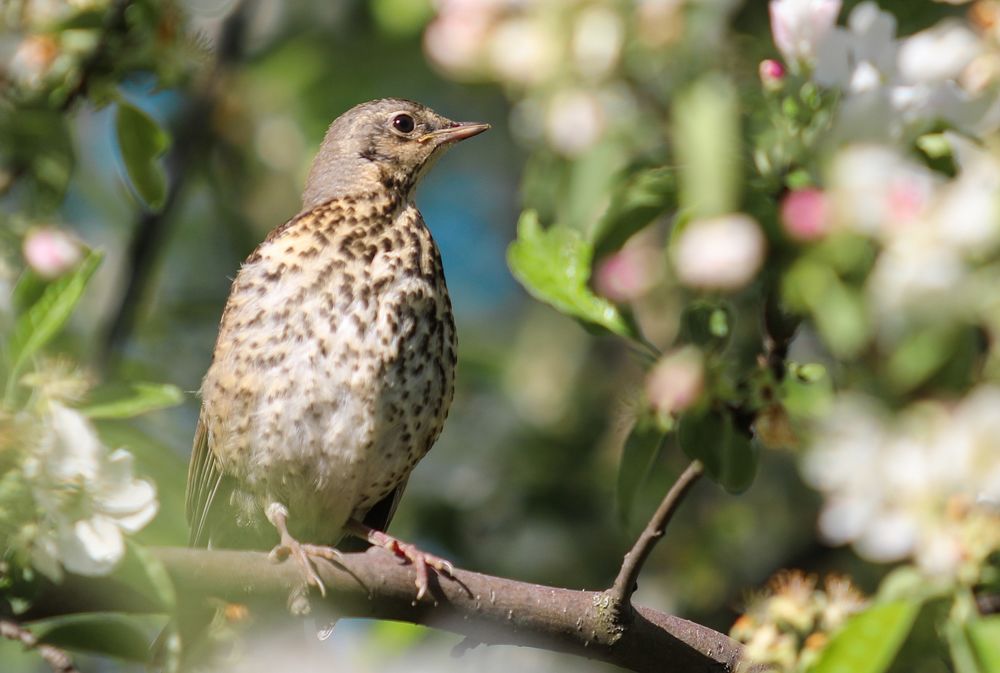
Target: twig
[(621, 591), (57, 660), (114, 22), (376, 585)]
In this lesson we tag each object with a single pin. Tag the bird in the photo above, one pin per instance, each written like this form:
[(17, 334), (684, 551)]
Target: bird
[(333, 370)]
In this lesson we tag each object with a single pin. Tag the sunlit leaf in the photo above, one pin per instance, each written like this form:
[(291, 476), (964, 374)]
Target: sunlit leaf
[(868, 642), (554, 266), (730, 458), (125, 400), (98, 633), (641, 447), (984, 635), (142, 141), (36, 327), (919, 355)]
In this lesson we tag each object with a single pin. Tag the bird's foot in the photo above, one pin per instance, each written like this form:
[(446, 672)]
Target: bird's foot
[(304, 554), (421, 560)]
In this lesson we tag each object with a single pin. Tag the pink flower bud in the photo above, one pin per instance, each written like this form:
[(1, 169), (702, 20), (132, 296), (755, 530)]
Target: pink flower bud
[(628, 274), (805, 214), (51, 252), (772, 74), (676, 381)]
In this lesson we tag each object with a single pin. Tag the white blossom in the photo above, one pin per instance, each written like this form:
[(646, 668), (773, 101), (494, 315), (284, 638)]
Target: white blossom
[(87, 495), (890, 485), (894, 85), (799, 26)]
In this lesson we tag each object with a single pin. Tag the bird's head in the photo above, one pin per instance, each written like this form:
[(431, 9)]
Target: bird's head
[(385, 143)]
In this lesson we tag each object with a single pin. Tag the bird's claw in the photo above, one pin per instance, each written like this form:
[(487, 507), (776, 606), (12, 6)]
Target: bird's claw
[(421, 560), (305, 555)]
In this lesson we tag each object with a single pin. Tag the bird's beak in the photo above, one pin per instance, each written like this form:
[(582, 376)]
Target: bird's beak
[(457, 131)]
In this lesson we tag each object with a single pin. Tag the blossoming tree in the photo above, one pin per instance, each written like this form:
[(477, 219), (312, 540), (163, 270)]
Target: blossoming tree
[(797, 237)]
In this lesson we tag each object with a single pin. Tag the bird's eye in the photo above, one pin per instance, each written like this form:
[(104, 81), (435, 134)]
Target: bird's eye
[(403, 123)]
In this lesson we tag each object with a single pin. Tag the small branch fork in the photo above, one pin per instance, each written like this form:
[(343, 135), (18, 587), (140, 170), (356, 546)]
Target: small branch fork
[(57, 660), (621, 591)]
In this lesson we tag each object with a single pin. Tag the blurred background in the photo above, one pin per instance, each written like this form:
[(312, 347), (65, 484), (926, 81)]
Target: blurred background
[(522, 482)]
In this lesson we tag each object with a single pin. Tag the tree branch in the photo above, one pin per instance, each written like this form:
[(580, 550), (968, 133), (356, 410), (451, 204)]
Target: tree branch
[(375, 584), (57, 660), (621, 591)]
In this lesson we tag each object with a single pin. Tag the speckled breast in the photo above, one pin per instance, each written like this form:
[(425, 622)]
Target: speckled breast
[(334, 369)]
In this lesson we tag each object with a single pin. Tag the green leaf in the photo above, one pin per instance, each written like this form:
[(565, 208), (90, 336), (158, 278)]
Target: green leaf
[(707, 140), (641, 448), (40, 323), (919, 355), (868, 642), (635, 203), (707, 323), (401, 18), (142, 141), (97, 633), (730, 458), (125, 400), (554, 266), (984, 635)]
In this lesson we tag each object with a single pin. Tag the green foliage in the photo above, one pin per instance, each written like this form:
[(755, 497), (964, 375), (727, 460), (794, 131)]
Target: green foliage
[(984, 636), (642, 445), (142, 141), (729, 456), (97, 633), (46, 317), (641, 197), (554, 266), (869, 641), (126, 400)]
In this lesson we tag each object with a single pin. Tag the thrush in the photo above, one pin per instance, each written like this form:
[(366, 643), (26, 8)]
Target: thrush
[(334, 367)]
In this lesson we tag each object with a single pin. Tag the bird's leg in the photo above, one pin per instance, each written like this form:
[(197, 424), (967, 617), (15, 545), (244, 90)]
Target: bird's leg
[(421, 560), (277, 514)]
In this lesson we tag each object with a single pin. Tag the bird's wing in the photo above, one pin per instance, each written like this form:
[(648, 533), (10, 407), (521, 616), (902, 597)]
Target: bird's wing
[(379, 516), (204, 480)]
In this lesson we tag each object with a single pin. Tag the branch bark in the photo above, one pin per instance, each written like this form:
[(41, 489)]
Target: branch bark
[(375, 584)]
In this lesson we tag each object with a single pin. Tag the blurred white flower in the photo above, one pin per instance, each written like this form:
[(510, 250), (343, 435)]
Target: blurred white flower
[(938, 53), (88, 497), (890, 485), (574, 121), (798, 26), (893, 85), (32, 60), (597, 41), (523, 51), (931, 230), (455, 40), (721, 253), (876, 191), (51, 252)]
